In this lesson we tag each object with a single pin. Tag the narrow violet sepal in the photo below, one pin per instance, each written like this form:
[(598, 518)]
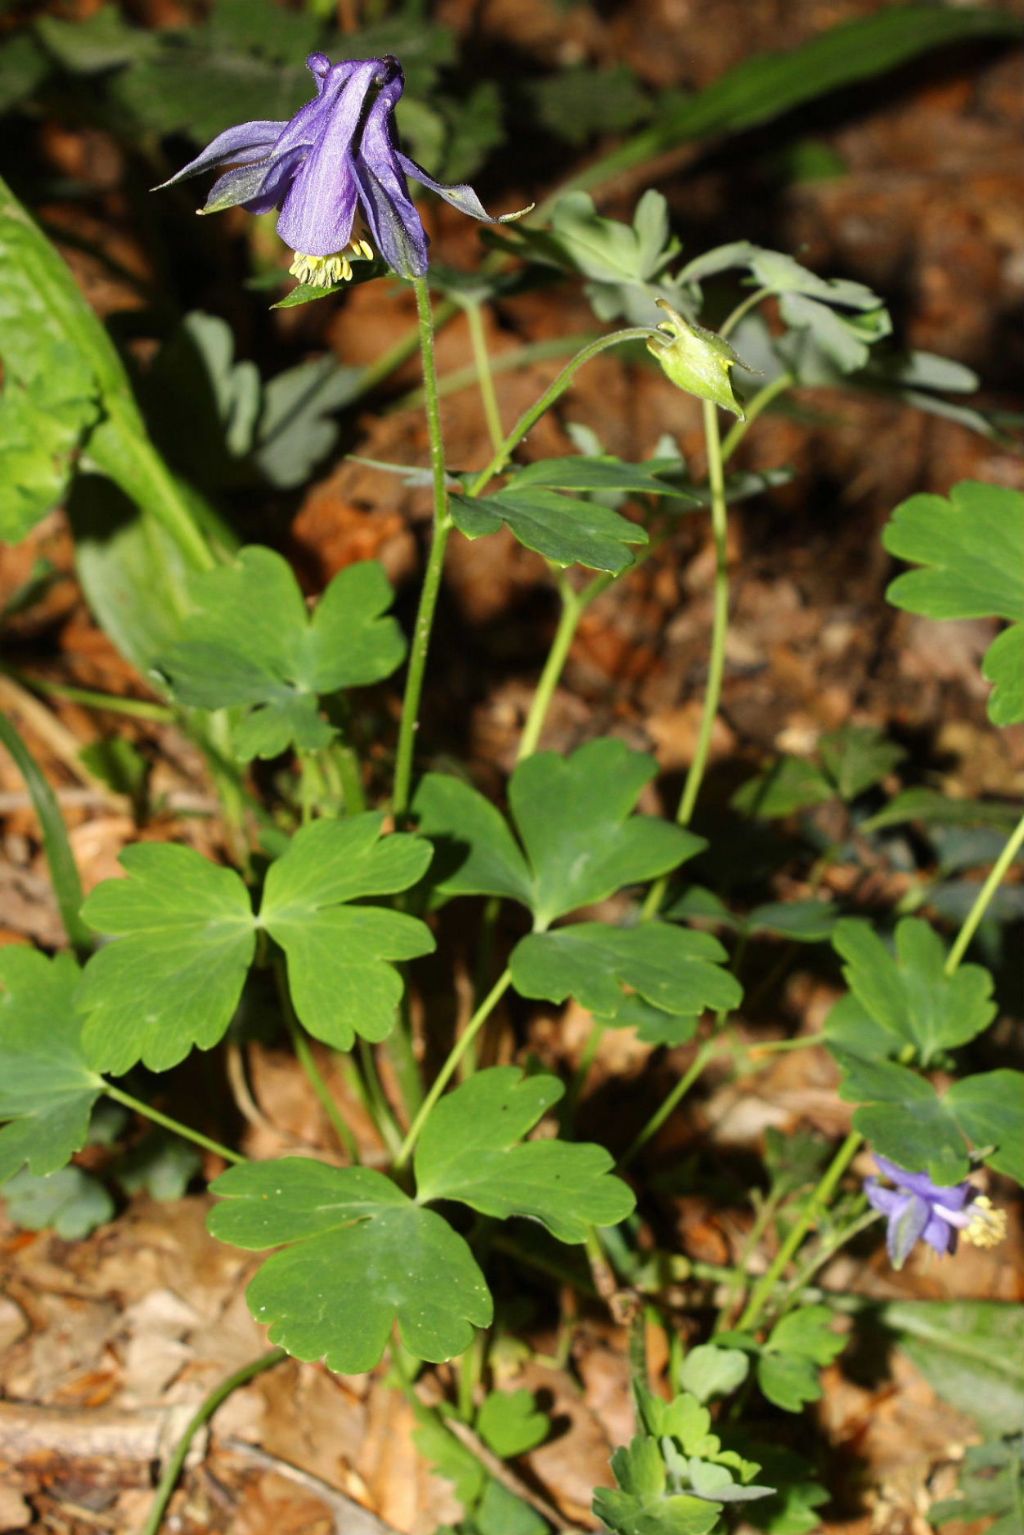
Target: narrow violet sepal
[(908, 1222), (459, 195), (235, 146), (919, 1210)]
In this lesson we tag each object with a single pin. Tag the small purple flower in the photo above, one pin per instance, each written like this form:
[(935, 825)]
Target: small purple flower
[(337, 155), (918, 1210)]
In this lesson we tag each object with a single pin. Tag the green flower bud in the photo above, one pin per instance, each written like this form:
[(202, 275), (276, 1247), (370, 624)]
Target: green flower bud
[(696, 359)]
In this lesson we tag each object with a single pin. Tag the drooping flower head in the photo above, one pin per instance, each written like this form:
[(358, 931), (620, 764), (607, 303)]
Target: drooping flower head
[(337, 156), (918, 1210)]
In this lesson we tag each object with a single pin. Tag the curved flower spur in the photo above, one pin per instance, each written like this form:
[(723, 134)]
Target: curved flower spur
[(339, 153)]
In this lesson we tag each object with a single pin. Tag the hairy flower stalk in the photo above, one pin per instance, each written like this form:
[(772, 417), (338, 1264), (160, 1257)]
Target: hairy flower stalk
[(338, 156), (918, 1210)]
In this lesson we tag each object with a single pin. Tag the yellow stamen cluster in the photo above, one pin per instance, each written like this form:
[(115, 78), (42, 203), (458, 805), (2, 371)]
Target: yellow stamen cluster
[(988, 1225), (324, 271)]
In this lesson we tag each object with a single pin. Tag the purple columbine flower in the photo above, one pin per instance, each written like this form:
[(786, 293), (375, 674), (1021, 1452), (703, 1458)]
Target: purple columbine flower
[(337, 155), (918, 1210)]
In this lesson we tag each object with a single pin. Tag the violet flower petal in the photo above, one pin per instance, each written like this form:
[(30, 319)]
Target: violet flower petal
[(318, 212), (940, 1235), (395, 225)]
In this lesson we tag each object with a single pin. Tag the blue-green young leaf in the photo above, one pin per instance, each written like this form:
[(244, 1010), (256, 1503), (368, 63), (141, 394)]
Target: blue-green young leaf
[(990, 1485), (471, 1150), (47, 1088), (252, 643), (161, 1164), (908, 993), (644, 1503), (185, 939), (710, 1371), (356, 1257), (583, 843), (601, 472), (573, 815), (339, 972), (562, 529), (903, 1117), (857, 757), (970, 1352), (971, 552), (70, 1200), (677, 971)]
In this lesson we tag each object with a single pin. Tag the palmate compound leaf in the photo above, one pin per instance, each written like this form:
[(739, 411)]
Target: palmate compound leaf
[(185, 939), (908, 993), (471, 1150), (339, 974), (251, 643), (971, 552), (574, 817), (186, 934), (643, 1503), (677, 971), (356, 1256), (47, 1089), (562, 529)]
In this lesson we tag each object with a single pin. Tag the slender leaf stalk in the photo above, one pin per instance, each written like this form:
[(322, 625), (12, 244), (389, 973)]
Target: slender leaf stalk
[(553, 392), (447, 1071), (435, 562), (984, 898), (484, 374), (137, 708), (174, 1125), (816, 1203), (754, 408), (203, 1414), (675, 1097)]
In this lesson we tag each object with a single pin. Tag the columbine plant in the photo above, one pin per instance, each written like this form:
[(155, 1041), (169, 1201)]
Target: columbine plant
[(367, 1262)]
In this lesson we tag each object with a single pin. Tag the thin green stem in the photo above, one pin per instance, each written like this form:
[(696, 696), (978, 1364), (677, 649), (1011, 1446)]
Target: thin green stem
[(447, 1071), (579, 1077), (435, 563), (984, 897), (202, 1416), (719, 635), (742, 310), (137, 708), (572, 610), (817, 1202), (674, 1098), (553, 392), (167, 1123), (484, 374), (307, 1060), (756, 406)]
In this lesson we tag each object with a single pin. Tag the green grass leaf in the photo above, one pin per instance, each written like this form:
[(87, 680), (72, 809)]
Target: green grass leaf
[(356, 1257), (185, 940), (47, 1087), (971, 552), (563, 530), (251, 643), (675, 970), (471, 1150), (338, 953), (908, 993)]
